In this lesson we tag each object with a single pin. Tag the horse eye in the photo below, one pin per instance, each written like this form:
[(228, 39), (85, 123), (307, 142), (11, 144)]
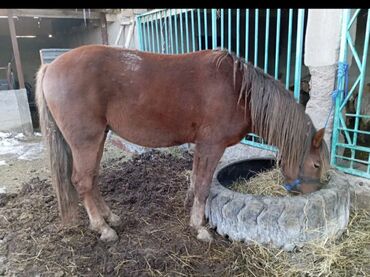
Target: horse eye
[(316, 165)]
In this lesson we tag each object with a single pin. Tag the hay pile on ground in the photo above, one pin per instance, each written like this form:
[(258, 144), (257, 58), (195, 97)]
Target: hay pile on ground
[(267, 183), (154, 237)]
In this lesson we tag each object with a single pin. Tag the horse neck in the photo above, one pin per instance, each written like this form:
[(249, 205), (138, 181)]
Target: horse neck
[(277, 117)]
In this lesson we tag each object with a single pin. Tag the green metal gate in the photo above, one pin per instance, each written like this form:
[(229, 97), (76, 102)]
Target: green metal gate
[(353, 154), (270, 39)]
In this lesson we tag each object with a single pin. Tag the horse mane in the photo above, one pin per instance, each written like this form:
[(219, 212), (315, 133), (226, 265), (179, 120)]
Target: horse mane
[(275, 115)]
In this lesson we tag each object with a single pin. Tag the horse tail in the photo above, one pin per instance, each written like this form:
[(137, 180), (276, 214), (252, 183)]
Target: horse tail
[(60, 156)]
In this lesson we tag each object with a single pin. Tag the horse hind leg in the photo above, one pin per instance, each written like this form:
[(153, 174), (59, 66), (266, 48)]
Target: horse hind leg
[(205, 161), (113, 219), (86, 159)]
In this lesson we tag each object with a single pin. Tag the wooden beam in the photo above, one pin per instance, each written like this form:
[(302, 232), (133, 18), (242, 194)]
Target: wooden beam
[(17, 57), (103, 26), (53, 13)]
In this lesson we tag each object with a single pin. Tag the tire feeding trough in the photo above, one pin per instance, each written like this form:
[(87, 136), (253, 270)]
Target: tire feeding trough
[(278, 221), (258, 177)]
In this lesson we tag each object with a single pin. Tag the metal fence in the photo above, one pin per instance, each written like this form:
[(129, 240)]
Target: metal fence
[(271, 39), (353, 154)]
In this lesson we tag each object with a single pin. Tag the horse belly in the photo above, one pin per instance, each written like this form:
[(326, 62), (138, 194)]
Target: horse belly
[(151, 130)]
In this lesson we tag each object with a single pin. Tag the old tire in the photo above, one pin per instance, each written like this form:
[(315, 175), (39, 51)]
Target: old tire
[(283, 222)]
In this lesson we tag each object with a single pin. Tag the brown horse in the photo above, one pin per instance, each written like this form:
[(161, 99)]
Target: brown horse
[(209, 98)]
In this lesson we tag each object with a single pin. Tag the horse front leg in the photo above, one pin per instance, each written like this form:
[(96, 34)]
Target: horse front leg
[(205, 161)]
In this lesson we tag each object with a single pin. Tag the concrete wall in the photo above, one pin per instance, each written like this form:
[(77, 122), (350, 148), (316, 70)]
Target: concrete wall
[(14, 112), (91, 34)]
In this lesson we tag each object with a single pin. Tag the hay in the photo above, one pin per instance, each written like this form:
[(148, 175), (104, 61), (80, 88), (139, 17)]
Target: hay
[(268, 183), (156, 240), (348, 256)]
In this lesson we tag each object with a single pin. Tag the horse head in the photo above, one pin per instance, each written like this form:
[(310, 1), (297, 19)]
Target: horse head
[(308, 176)]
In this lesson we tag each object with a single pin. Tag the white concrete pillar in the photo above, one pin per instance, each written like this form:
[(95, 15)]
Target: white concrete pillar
[(322, 46), (322, 84)]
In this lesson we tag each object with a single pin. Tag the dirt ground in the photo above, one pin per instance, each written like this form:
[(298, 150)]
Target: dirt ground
[(147, 191)]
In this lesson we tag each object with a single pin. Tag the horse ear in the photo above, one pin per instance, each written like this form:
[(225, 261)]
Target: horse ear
[(318, 137)]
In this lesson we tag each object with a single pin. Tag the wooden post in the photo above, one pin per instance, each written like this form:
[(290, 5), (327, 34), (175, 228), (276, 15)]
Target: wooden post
[(103, 26), (17, 58)]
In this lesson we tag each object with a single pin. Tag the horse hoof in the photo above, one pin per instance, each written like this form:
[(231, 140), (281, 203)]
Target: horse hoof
[(114, 220), (108, 235), (204, 235)]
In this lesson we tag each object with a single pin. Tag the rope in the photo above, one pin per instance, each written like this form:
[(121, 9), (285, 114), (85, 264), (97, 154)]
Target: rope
[(342, 72)]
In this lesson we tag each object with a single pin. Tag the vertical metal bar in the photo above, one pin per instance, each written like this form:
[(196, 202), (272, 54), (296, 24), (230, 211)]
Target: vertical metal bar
[(267, 30), (148, 34), (205, 29), (161, 30), (192, 30), (176, 38), (277, 52), (256, 38), (222, 28), (145, 48), (340, 85), (187, 30), (199, 32), (298, 54), (181, 33), (289, 49), (17, 58), (214, 29), (238, 32), (139, 33), (246, 55), (165, 32), (171, 32), (152, 32), (229, 30), (362, 79), (156, 32)]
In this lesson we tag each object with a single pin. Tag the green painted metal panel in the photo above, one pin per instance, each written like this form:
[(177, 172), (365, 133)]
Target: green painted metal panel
[(187, 31), (229, 30), (238, 32), (172, 39), (267, 29), (246, 44), (171, 43), (277, 44), (214, 29), (355, 159), (205, 29), (192, 30), (256, 17), (289, 48), (222, 28), (199, 31)]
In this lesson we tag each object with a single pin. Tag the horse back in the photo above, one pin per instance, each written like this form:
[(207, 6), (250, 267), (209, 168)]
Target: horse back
[(179, 96)]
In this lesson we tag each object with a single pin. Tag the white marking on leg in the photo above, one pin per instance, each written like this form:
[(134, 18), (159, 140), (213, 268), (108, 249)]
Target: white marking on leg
[(197, 215), (114, 219)]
